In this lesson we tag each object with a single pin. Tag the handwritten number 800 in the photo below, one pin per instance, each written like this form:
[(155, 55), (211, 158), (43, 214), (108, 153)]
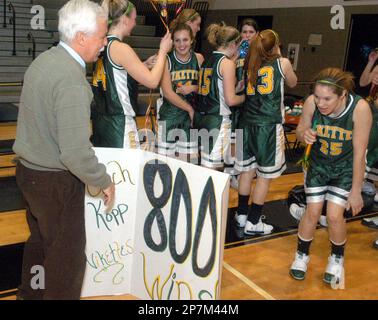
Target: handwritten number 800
[(180, 188)]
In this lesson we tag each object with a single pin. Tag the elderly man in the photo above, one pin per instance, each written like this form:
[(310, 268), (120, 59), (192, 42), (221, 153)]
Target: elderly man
[(55, 156)]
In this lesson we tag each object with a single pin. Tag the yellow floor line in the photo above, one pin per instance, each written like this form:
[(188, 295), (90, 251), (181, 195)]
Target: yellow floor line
[(248, 282), (8, 291)]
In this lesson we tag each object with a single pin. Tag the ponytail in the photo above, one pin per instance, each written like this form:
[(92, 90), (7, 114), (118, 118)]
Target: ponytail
[(116, 9), (263, 49), (221, 35)]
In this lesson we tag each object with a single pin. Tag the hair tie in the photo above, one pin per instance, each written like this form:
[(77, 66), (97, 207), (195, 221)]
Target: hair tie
[(130, 7), (330, 82), (192, 16), (128, 10), (275, 36), (235, 38)]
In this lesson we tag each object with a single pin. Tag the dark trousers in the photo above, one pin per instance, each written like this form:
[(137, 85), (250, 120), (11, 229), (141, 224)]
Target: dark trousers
[(55, 215)]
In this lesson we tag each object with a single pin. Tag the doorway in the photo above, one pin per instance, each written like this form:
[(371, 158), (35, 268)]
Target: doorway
[(362, 39)]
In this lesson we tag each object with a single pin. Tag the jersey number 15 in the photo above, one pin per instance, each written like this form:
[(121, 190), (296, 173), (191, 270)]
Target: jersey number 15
[(204, 81)]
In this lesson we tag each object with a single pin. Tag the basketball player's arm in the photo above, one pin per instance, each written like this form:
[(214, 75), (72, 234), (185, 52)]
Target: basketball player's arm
[(171, 96), (227, 69), (200, 59), (366, 76), (122, 54), (185, 89), (304, 132), (362, 121), (150, 62), (290, 76), (373, 78)]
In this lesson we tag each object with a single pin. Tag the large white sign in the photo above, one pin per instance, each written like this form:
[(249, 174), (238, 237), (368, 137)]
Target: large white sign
[(163, 237)]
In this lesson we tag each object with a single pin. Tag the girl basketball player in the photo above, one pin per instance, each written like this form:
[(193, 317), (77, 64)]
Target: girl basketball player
[(262, 150), (113, 120), (337, 123), (249, 31), (217, 94), (179, 86), (190, 17)]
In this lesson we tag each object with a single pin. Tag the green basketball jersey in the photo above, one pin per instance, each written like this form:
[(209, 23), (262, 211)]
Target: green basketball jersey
[(334, 143), (133, 87), (240, 69), (210, 88), (264, 103), (111, 94), (182, 73)]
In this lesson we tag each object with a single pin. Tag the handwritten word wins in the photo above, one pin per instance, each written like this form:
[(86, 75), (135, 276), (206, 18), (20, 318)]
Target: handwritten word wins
[(170, 288)]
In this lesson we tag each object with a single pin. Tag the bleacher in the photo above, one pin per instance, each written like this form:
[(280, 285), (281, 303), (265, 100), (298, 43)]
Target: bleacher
[(18, 48)]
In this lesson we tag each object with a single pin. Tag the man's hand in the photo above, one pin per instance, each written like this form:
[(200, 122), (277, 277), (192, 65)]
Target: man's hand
[(109, 194)]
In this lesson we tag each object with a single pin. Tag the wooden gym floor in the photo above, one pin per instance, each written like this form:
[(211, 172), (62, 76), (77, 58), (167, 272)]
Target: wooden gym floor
[(259, 271)]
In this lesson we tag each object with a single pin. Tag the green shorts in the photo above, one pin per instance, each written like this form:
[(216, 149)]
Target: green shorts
[(234, 117), (174, 134), (115, 131), (332, 183), (214, 133), (262, 148)]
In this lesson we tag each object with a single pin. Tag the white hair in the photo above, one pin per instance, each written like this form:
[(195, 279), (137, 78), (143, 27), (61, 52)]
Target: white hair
[(79, 16)]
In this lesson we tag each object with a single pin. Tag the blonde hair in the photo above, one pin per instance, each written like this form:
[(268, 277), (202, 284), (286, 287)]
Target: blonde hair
[(336, 79), (221, 35), (185, 16), (263, 49), (116, 9)]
